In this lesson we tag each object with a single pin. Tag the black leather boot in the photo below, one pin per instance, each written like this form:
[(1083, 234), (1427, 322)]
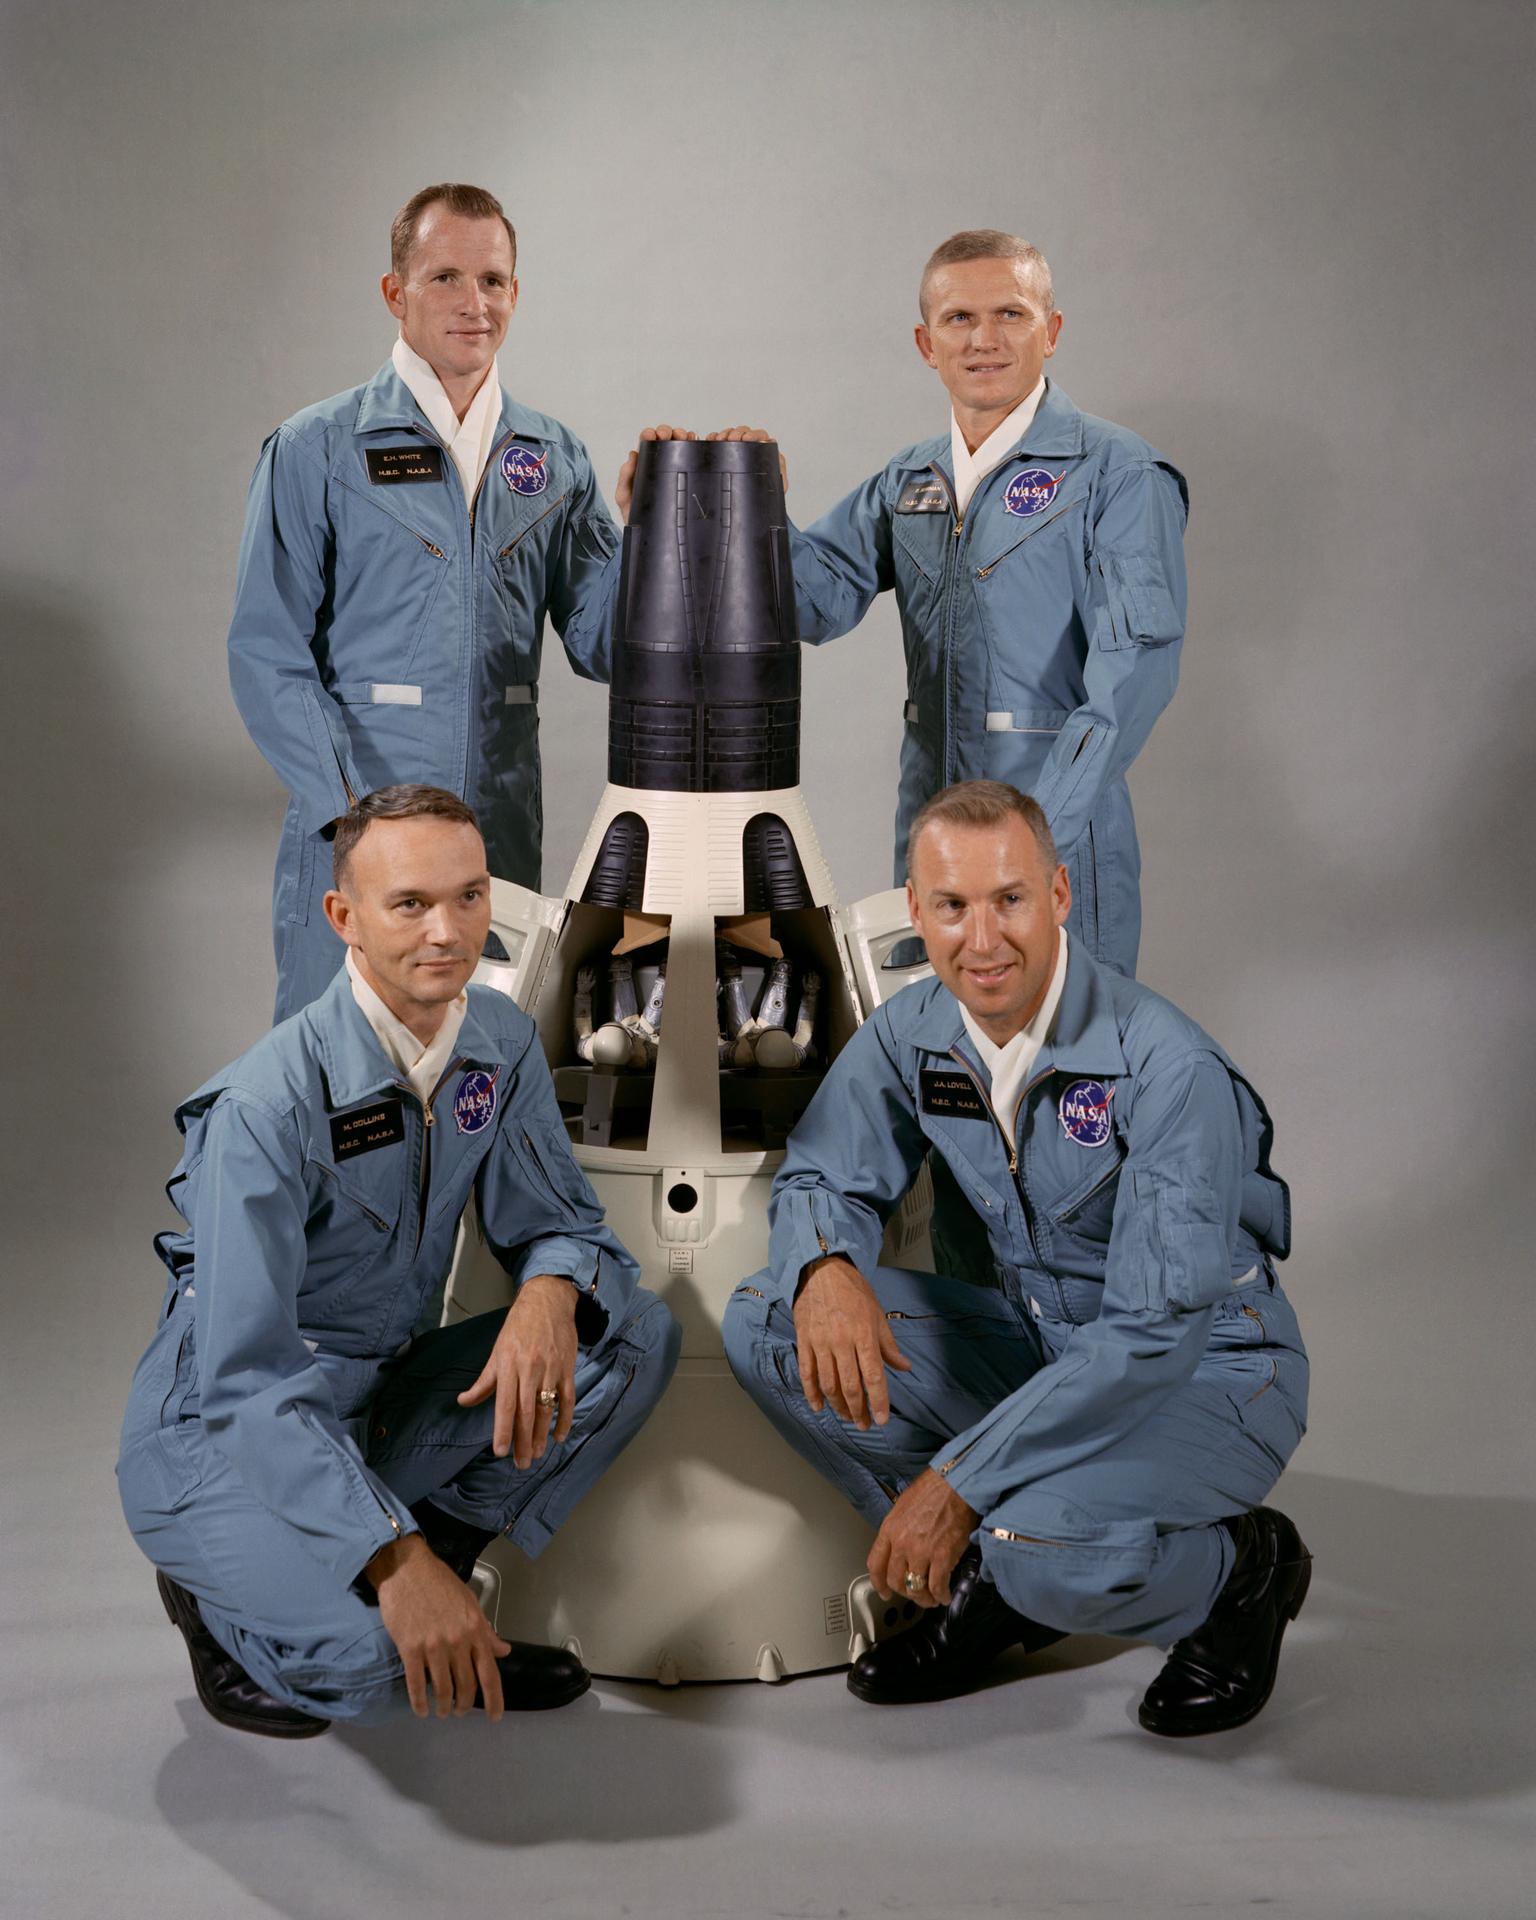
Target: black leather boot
[(223, 1685), (533, 1677), (949, 1650), (1221, 1675)]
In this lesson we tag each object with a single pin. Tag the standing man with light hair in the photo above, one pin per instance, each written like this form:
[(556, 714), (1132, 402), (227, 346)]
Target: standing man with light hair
[(1036, 555), (403, 544)]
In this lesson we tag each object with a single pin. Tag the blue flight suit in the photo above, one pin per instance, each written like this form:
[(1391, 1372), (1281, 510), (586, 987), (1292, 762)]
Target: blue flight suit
[(387, 630), (299, 1397), (1042, 631), (1135, 1375)]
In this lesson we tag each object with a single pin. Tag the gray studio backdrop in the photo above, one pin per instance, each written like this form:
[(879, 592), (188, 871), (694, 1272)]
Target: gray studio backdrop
[(1291, 242)]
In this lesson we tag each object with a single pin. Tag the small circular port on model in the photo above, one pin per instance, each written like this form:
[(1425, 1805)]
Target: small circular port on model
[(681, 1198)]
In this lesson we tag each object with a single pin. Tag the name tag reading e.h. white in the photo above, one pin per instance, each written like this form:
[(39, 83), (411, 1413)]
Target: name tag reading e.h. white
[(403, 466), (365, 1128)]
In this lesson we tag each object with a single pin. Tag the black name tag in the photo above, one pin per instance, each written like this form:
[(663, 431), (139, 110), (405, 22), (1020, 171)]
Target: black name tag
[(365, 1128), (923, 496), (955, 1095), (403, 466)]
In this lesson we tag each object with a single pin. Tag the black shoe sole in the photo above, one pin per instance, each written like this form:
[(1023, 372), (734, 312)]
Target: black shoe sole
[(1190, 1729), (294, 1725)]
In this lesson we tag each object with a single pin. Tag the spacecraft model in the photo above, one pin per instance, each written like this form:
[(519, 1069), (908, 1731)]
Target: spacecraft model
[(689, 989)]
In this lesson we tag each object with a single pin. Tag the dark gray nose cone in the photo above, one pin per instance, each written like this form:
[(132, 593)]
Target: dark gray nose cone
[(705, 692)]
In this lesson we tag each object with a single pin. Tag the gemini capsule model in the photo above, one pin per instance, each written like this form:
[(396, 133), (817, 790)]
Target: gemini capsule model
[(690, 987)]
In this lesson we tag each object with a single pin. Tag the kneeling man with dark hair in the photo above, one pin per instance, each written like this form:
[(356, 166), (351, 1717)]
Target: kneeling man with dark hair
[(1085, 1447), (310, 1460)]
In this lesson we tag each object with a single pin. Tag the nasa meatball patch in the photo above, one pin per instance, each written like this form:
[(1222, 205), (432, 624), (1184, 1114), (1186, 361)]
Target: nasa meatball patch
[(524, 470), (474, 1105), (1083, 1111), (1031, 491)]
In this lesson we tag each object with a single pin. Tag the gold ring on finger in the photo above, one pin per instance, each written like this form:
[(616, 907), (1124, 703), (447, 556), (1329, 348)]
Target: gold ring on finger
[(548, 1397), (913, 1582)]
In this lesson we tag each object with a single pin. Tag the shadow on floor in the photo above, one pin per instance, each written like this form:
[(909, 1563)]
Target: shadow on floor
[(1409, 1677), (1410, 1674)]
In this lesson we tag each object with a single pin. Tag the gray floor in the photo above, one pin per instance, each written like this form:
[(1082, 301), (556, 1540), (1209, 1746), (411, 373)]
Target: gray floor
[(1392, 1774)]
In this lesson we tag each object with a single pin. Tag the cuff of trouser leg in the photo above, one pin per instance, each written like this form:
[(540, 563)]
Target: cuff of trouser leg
[(358, 1579), (800, 1239), (972, 1473), (582, 1265), (530, 1534)]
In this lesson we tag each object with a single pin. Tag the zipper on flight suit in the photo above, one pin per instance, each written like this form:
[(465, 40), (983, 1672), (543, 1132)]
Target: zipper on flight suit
[(1013, 1167), (469, 599), (1008, 1146), (1029, 1220), (1013, 1153), (946, 649), (474, 498), (424, 1168), (471, 751), (982, 572), (513, 544)]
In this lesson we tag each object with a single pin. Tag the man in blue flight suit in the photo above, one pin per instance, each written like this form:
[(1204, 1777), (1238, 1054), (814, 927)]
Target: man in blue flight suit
[(403, 544), (1036, 554), (1084, 1447), (311, 1462)]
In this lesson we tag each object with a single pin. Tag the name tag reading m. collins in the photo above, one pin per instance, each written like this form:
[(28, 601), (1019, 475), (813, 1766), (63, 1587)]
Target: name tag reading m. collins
[(365, 1128)]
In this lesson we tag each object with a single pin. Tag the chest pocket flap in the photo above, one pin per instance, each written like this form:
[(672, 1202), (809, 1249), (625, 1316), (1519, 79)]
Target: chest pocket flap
[(347, 1198), (1088, 1211), (554, 1173)]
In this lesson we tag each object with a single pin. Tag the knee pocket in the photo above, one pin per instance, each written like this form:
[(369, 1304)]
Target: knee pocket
[(746, 1333), (1062, 1565), (656, 1339)]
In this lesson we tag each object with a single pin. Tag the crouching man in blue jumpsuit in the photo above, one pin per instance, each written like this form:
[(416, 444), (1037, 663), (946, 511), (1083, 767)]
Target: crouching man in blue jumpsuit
[(1084, 1447), (309, 1460)]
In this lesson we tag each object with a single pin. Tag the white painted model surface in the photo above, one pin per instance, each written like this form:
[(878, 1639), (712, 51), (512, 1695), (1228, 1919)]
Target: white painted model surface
[(709, 1551)]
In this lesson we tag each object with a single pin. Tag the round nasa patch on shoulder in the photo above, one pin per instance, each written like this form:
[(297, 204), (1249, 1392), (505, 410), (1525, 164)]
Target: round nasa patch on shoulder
[(474, 1105), (1031, 491), (524, 470), (1083, 1111)]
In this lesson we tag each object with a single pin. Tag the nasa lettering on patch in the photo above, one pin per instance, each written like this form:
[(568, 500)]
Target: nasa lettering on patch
[(1083, 1111), (524, 470), (1031, 491), (365, 1128), (403, 466), (954, 1095), (923, 496), (474, 1105)]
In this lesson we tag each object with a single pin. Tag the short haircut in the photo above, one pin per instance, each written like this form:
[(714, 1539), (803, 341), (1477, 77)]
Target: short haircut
[(473, 202), (984, 803), (987, 243), (393, 803)]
